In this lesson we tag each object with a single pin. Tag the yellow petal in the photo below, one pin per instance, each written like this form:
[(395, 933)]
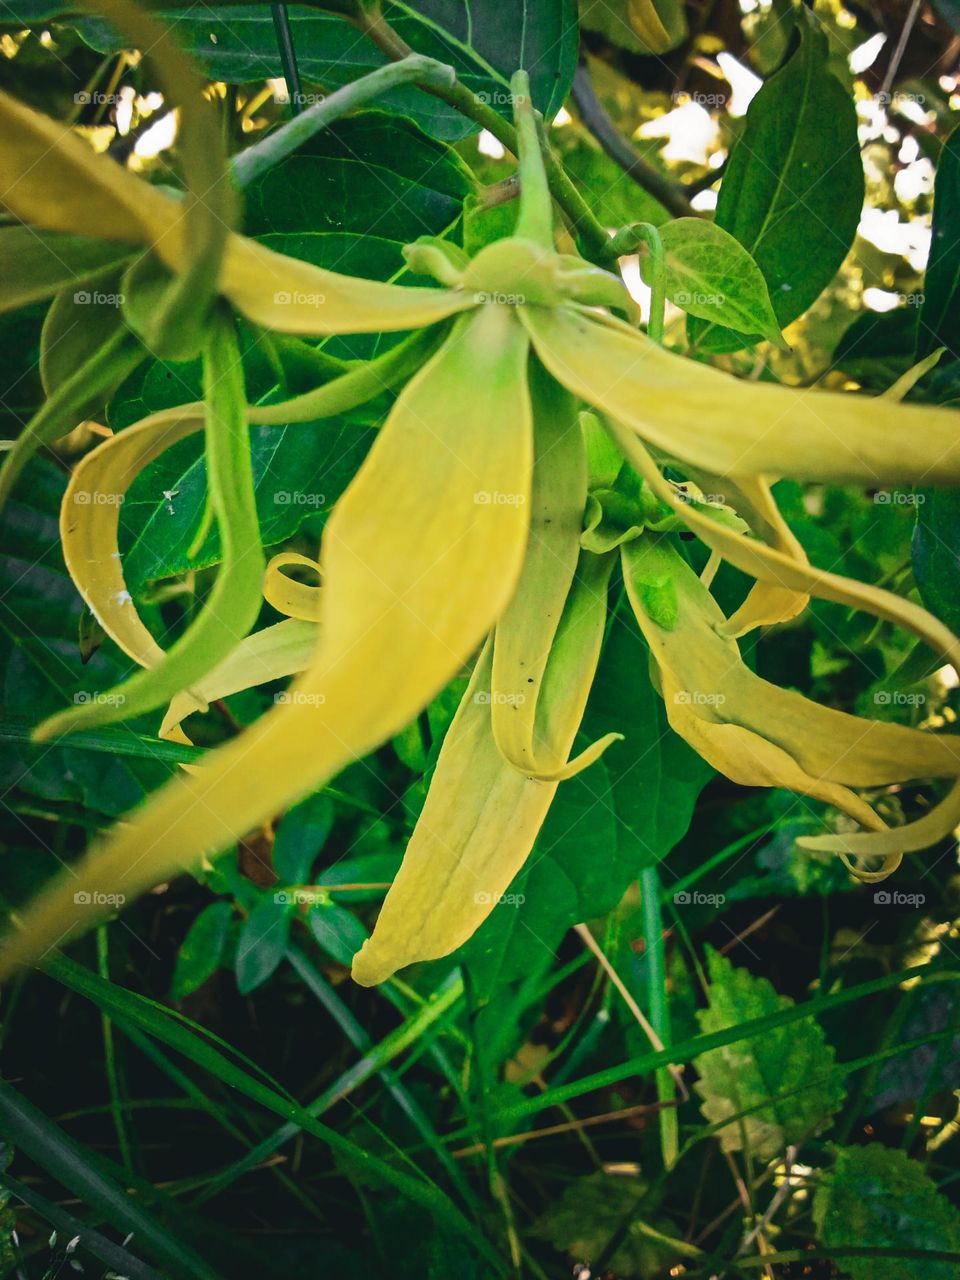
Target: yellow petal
[(547, 642), (727, 426), (284, 649), (760, 735), (295, 599), (416, 572), (233, 604)]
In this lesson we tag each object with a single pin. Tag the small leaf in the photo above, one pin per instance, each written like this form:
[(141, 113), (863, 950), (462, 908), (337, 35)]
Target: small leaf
[(880, 1197), (263, 942), (752, 1073), (337, 930), (711, 275), (201, 951), (301, 835)]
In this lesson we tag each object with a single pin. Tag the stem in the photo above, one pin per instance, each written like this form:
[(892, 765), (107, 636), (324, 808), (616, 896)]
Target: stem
[(258, 159), (628, 240), (288, 56), (535, 221), (659, 1009), (599, 124), (593, 238), (110, 1059)]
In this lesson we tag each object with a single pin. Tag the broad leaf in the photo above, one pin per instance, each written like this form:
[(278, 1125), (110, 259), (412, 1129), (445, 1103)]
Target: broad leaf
[(485, 41), (936, 553), (751, 1073), (300, 837), (793, 189), (263, 942), (202, 950), (878, 1196), (709, 274), (939, 324)]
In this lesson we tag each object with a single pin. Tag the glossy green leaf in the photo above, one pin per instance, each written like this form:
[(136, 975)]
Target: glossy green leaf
[(793, 189), (300, 837), (939, 325), (263, 942), (711, 275), (202, 950), (936, 553)]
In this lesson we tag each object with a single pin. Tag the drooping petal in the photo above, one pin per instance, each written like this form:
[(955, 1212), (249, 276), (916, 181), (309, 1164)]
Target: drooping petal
[(34, 265), (691, 412), (416, 572), (234, 602), (284, 649), (543, 641), (60, 184), (759, 734), (482, 816)]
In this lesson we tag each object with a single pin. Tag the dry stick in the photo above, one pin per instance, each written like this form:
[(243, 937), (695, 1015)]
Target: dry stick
[(655, 1041), (619, 150), (898, 52), (751, 928), (549, 1131)]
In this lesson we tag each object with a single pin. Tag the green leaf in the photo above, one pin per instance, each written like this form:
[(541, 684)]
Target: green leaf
[(37, 264), (201, 952), (939, 324), (936, 552), (263, 942), (41, 668), (337, 930), (793, 189), (301, 835), (485, 41), (710, 274), (880, 1197), (745, 1072)]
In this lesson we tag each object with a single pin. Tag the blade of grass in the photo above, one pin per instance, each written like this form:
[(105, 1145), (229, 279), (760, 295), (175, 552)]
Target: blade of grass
[(659, 1008), (66, 1161), (172, 1031)]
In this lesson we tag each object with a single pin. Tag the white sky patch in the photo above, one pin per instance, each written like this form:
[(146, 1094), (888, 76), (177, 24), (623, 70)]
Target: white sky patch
[(915, 180), (865, 55), (159, 137), (742, 81), (638, 291), (490, 146), (881, 300), (562, 117), (911, 240), (691, 133), (705, 201)]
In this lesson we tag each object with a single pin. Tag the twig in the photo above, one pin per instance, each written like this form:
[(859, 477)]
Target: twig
[(619, 150)]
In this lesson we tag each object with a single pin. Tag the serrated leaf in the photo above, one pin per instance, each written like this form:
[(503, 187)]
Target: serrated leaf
[(752, 1073), (711, 275), (202, 950), (262, 943), (878, 1196), (793, 189)]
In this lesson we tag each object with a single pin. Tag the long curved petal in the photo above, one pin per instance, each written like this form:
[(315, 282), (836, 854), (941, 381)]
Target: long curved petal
[(543, 641), (481, 816), (697, 414), (296, 599), (416, 572), (285, 649), (759, 734), (60, 184), (231, 609)]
